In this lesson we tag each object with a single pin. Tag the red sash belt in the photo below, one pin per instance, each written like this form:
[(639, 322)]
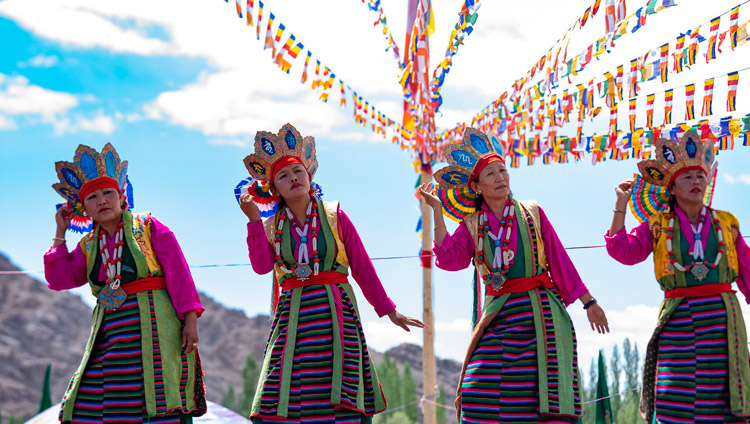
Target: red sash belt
[(323, 277), (522, 285), (699, 291), (145, 284)]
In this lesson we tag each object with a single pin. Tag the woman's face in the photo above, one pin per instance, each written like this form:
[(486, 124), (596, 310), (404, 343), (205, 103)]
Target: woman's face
[(292, 181), (690, 186), (103, 205), (493, 182)]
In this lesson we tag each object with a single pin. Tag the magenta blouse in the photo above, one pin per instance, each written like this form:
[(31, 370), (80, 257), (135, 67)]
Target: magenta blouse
[(262, 254), (64, 270), (634, 247), (457, 250)]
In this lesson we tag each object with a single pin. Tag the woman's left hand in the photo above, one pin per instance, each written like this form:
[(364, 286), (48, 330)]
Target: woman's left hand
[(404, 321), (190, 332), (597, 318)]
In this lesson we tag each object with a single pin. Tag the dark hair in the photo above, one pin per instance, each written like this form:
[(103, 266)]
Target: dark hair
[(478, 202)]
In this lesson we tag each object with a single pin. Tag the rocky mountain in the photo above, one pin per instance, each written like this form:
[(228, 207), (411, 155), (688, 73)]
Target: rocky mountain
[(39, 326)]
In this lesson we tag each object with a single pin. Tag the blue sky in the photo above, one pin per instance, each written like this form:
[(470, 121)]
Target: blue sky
[(181, 91)]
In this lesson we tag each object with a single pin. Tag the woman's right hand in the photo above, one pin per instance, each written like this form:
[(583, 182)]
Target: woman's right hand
[(62, 218), (624, 190), (249, 207), (429, 193)]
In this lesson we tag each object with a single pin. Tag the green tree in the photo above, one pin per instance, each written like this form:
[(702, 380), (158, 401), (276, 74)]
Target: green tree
[(250, 375), (589, 393), (46, 401), (629, 411), (616, 367), (441, 412), (409, 393), (229, 400)]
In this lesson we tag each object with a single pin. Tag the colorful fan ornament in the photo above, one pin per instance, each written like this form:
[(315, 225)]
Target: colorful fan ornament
[(458, 199), (90, 171), (650, 193), (262, 196), (273, 152)]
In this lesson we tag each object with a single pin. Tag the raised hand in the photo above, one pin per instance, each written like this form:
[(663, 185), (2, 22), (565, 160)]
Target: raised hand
[(249, 207), (624, 190), (63, 217), (429, 193), (404, 321)]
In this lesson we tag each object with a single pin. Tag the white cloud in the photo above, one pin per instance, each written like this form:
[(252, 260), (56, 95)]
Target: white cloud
[(731, 179), (39, 61), (18, 97), (6, 123), (235, 142), (100, 123), (82, 24)]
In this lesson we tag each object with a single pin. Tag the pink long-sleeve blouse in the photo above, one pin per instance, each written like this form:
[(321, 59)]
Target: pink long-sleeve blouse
[(64, 270), (262, 254), (457, 250), (635, 247)]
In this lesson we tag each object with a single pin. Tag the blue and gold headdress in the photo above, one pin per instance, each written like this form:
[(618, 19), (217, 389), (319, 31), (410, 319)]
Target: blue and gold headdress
[(464, 160), (273, 152), (89, 171), (650, 192)]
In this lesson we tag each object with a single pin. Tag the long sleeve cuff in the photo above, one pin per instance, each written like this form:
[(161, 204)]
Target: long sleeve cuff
[(385, 307)]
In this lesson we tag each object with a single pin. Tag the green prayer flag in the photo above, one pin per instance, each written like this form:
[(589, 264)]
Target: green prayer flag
[(603, 413)]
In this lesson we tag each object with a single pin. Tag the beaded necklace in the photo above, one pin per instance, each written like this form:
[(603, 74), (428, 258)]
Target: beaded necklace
[(112, 296), (302, 268), (699, 268), (503, 254)]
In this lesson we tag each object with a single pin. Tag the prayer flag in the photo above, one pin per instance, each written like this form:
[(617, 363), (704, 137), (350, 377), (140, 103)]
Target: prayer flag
[(664, 61), (733, 21), (711, 53), (650, 110), (631, 114), (609, 16), (304, 71), (733, 80), (269, 36), (708, 97), (668, 106), (260, 16), (690, 102)]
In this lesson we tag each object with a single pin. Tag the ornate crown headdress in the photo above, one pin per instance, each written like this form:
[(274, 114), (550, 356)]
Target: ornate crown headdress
[(88, 171), (271, 149), (650, 192), (457, 197)]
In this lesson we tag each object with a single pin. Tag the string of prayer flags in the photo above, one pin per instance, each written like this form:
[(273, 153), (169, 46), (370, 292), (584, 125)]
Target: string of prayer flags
[(708, 97)]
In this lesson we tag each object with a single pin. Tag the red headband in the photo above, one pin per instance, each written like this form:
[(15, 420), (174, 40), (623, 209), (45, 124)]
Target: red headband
[(96, 184), (485, 160), (685, 169), (281, 163)]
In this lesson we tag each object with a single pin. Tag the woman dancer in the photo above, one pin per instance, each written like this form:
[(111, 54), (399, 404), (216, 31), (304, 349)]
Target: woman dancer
[(521, 365), (317, 366), (696, 367), (141, 362)]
